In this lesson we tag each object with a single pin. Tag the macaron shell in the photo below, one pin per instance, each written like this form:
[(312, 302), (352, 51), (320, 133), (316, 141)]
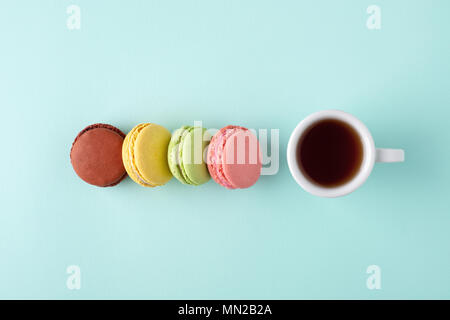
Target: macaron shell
[(211, 160), (96, 155), (128, 156), (172, 154), (215, 155), (242, 159), (150, 154), (193, 145), (125, 157), (180, 157)]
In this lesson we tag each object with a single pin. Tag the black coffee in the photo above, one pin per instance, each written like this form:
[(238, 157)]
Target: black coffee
[(330, 153)]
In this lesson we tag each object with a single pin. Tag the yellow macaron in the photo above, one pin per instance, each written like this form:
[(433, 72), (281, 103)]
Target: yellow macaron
[(144, 154)]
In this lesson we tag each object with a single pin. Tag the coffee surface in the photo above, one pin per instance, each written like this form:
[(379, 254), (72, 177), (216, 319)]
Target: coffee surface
[(330, 153)]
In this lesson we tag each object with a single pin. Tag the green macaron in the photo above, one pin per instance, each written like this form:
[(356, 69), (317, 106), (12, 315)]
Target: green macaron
[(186, 155)]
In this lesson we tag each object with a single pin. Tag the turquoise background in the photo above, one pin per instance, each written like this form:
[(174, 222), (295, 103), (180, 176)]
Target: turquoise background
[(256, 63)]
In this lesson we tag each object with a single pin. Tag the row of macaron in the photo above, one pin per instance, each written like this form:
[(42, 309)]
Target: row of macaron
[(102, 155)]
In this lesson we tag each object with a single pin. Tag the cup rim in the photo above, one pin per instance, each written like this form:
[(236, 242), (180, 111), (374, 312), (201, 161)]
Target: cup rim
[(367, 162)]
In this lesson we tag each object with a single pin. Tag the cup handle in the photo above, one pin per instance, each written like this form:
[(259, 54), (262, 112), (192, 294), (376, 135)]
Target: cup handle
[(390, 155)]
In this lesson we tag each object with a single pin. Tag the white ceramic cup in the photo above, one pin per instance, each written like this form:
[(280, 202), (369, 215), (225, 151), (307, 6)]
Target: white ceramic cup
[(370, 154)]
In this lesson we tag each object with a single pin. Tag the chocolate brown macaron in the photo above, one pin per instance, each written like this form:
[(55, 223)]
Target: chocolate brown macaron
[(96, 155)]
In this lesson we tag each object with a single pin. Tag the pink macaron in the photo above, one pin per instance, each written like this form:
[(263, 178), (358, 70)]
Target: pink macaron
[(234, 158)]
